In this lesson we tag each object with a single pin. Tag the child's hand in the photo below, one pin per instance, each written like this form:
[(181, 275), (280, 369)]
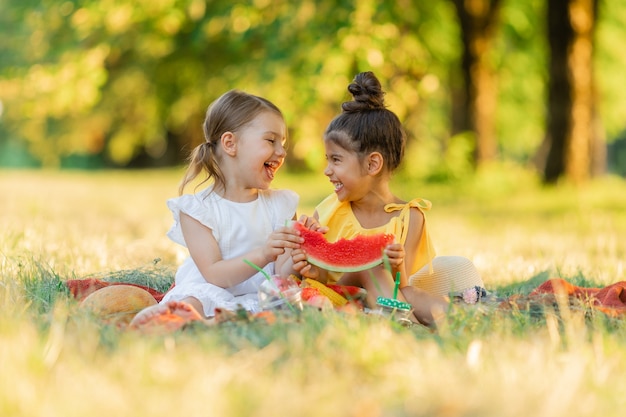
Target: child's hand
[(395, 253), (312, 223), (281, 239), (302, 267)]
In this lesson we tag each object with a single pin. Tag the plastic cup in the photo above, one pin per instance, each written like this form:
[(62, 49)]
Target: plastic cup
[(280, 294), (395, 310)]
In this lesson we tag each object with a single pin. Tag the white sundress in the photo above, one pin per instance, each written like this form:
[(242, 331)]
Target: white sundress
[(238, 228)]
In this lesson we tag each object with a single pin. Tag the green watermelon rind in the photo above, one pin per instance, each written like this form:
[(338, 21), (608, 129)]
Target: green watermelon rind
[(334, 268), (383, 240)]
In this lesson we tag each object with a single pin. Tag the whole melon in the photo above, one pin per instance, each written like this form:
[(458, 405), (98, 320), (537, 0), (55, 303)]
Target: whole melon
[(117, 304)]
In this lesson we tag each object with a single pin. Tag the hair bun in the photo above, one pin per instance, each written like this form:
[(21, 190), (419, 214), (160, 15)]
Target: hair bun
[(367, 93)]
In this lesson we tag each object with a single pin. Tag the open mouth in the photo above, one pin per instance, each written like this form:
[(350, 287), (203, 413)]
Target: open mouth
[(271, 168), (338, 185)]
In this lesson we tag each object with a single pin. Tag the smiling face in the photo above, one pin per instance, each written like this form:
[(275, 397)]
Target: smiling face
[(260, 150), (345, 171)]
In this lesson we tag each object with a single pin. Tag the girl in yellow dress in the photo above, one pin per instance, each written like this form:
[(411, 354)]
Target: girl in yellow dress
[(363, 146)]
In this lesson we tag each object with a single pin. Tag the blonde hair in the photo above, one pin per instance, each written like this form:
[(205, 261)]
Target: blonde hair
[(229, 113)]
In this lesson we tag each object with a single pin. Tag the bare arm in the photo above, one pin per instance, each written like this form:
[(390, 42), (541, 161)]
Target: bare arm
[(207, 256), (402, 257), (284, 263)]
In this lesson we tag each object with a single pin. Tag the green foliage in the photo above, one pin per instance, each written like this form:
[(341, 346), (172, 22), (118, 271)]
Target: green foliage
[(121, 82), (520, 59), (609, 61)]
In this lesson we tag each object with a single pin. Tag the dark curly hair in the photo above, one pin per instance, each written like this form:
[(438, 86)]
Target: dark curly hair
[(366, 125)]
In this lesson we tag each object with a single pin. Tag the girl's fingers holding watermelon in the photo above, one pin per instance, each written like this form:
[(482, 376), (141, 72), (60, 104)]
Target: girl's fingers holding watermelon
[(303, 219), (312, 223), (298, 255), (395, 250), (396, 247), (277, 243), (310, 271), (299, 267), (289, 238), (395, 253), (287, 232), (319, 228), (302, 267)]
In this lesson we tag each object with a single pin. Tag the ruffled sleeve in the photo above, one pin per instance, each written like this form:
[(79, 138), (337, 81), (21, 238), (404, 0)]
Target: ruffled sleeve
[(195, 206), (208, 209)]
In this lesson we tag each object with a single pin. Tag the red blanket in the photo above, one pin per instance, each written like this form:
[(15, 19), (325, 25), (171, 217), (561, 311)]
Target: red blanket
[(81, 288), (611, 299)]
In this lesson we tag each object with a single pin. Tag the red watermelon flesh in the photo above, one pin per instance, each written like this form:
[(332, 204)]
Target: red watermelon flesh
[(345, 255)]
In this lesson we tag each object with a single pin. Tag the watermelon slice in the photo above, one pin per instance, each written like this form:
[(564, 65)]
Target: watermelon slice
[(345, 255)]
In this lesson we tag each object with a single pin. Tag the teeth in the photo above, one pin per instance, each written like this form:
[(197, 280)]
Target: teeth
[(337, 185)]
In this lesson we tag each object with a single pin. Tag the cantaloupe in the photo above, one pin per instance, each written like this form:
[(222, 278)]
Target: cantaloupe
[(117, 304)]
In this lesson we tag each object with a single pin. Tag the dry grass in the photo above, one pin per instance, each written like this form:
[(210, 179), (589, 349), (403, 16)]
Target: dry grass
[(57, 362)]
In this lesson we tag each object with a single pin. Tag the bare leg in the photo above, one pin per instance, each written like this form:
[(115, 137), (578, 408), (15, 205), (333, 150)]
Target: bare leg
[(169, 316), (377, 282), (427, 308)]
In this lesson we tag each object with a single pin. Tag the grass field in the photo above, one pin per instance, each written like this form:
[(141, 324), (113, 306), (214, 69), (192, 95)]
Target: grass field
[(56, 361)]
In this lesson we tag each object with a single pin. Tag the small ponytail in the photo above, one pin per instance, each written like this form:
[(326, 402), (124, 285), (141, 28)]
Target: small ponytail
[(202, 159)]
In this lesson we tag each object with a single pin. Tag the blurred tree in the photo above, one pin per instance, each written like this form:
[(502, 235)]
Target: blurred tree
[(127, 82), (125, 79), (478, 20), (609, 65), (130, 80), (409, 44), (575, 145)]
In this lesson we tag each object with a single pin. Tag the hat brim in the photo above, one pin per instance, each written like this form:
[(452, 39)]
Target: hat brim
[(450, 274)]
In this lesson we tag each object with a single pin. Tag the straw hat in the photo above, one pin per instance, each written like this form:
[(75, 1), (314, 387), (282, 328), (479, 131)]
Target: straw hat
[(451, 274)]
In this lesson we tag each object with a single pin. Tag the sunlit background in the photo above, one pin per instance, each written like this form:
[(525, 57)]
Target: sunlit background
[(499, 97), (125, 83)]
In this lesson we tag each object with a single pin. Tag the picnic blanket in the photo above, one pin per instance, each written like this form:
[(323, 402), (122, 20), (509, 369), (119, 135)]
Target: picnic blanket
[(174, 317), (610, 300), (81, 288), (338, 294)]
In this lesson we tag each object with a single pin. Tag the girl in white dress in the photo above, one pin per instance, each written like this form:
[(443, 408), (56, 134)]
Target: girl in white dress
[(236, 217)]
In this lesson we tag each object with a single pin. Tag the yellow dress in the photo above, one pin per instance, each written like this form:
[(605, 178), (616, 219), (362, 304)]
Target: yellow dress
[(342, 223)]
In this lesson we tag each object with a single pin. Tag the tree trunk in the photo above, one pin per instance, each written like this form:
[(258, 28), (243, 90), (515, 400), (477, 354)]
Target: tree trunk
[(478, 21), (573, 140)]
